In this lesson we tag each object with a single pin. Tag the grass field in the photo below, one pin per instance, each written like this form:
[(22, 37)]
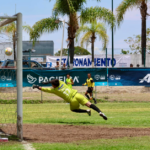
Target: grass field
[(120, 114), (138, 143), (110, 97)]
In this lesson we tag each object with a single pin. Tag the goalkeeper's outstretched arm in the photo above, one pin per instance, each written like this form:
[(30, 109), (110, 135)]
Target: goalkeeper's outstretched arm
[(36, 87)]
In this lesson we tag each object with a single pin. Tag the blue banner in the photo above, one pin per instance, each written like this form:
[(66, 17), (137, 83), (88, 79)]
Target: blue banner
[(116, 76), (129, 77), (34, 76)]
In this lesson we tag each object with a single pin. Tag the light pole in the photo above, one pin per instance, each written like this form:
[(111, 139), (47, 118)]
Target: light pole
[(57, 21), (112, 39)]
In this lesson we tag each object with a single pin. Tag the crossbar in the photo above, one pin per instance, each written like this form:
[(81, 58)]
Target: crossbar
[(7, 19)]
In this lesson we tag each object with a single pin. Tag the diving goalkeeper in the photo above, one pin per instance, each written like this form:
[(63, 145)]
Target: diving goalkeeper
[(71, 96)]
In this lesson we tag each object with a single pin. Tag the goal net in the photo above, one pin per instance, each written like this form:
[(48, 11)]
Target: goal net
[(11, 75)]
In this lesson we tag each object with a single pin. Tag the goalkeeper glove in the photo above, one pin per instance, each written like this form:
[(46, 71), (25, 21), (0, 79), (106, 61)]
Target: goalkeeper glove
[(35, 86)]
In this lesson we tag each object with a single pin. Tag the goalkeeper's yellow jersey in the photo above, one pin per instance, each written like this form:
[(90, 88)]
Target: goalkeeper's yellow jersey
[(62, 91), (89, 82)]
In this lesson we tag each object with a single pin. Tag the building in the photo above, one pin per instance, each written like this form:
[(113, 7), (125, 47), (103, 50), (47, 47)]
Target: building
[(39, 51)]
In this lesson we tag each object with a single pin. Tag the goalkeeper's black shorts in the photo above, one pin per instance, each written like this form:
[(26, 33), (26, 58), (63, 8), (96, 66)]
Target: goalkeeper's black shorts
[(89, 90)]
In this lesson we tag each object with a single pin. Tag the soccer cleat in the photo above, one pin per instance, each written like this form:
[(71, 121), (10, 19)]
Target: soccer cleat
[(103, 115), (95, 102), (89, 112)]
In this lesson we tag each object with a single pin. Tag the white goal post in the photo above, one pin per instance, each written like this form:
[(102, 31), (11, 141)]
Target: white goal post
[(6, 20)]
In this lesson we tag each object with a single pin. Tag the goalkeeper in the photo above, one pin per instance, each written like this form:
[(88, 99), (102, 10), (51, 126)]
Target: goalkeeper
[(71, 96), (90, 83)]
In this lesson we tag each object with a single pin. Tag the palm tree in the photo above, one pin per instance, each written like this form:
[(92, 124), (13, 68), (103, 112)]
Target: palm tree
[(90, 33), (142, 5), (69, 8), (10, 29), (27, 28)]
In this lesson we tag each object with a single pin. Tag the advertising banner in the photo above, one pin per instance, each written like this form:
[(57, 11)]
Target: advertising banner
[(8, 78), (33, 76), (85, 61), (129, 77), (38, 59), (116, 76), (79, 76)]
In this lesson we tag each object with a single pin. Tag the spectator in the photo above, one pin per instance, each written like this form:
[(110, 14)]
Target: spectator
[(57, 65), (64, 67), (138, 65), (25, 65), (131, 65)]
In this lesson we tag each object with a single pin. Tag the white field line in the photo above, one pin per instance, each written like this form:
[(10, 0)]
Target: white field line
[(27, 146)]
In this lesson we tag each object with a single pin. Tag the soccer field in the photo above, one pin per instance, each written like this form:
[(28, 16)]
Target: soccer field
[(54, 126)]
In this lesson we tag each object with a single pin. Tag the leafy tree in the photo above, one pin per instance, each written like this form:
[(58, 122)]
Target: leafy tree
[(143, 6), (124, 52), (27, 28), (90, 32), (78, 51), (135, 42), (70, 9)]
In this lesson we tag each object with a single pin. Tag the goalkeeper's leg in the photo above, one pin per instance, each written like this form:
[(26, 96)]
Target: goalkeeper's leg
[(75, 107), (82, 100)]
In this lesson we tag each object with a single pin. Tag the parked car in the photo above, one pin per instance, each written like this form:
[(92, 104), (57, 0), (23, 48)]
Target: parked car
[(27, 64), (44, 65)]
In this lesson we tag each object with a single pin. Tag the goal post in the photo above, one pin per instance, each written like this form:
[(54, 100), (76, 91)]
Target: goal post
[(6, 20)]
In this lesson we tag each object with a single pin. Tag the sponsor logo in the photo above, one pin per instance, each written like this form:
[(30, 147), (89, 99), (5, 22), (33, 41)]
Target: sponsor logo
[(102, 77), (118, 78), (112, 77), (146, 79), (40, 79), (97, 77), (31, 79), (62, 78), (9, 79), (3, 78)]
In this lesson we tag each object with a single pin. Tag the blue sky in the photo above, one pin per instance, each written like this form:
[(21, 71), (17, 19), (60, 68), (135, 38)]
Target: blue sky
[(35, 10)]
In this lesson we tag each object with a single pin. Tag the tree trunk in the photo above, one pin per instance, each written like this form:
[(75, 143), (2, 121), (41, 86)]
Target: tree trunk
[(71, 49), (92, 48), (143, 10), (73, 27), (92, 51)]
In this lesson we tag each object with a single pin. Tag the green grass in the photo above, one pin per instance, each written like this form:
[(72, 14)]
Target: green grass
[(129, 114), (122, 114), (11, 146), (136, 143), (119, 114)]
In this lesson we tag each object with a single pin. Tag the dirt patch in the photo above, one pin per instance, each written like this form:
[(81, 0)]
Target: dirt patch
[(70, 133)]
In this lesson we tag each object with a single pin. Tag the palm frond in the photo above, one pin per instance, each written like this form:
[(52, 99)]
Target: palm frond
[(102, 35), (124, 6), (91, 14), (42, 26), (85, 38), (27, 28), (66, 7), (82, 29)]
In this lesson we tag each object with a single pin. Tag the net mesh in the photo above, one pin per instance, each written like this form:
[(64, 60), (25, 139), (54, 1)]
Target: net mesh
[(8, 89)]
